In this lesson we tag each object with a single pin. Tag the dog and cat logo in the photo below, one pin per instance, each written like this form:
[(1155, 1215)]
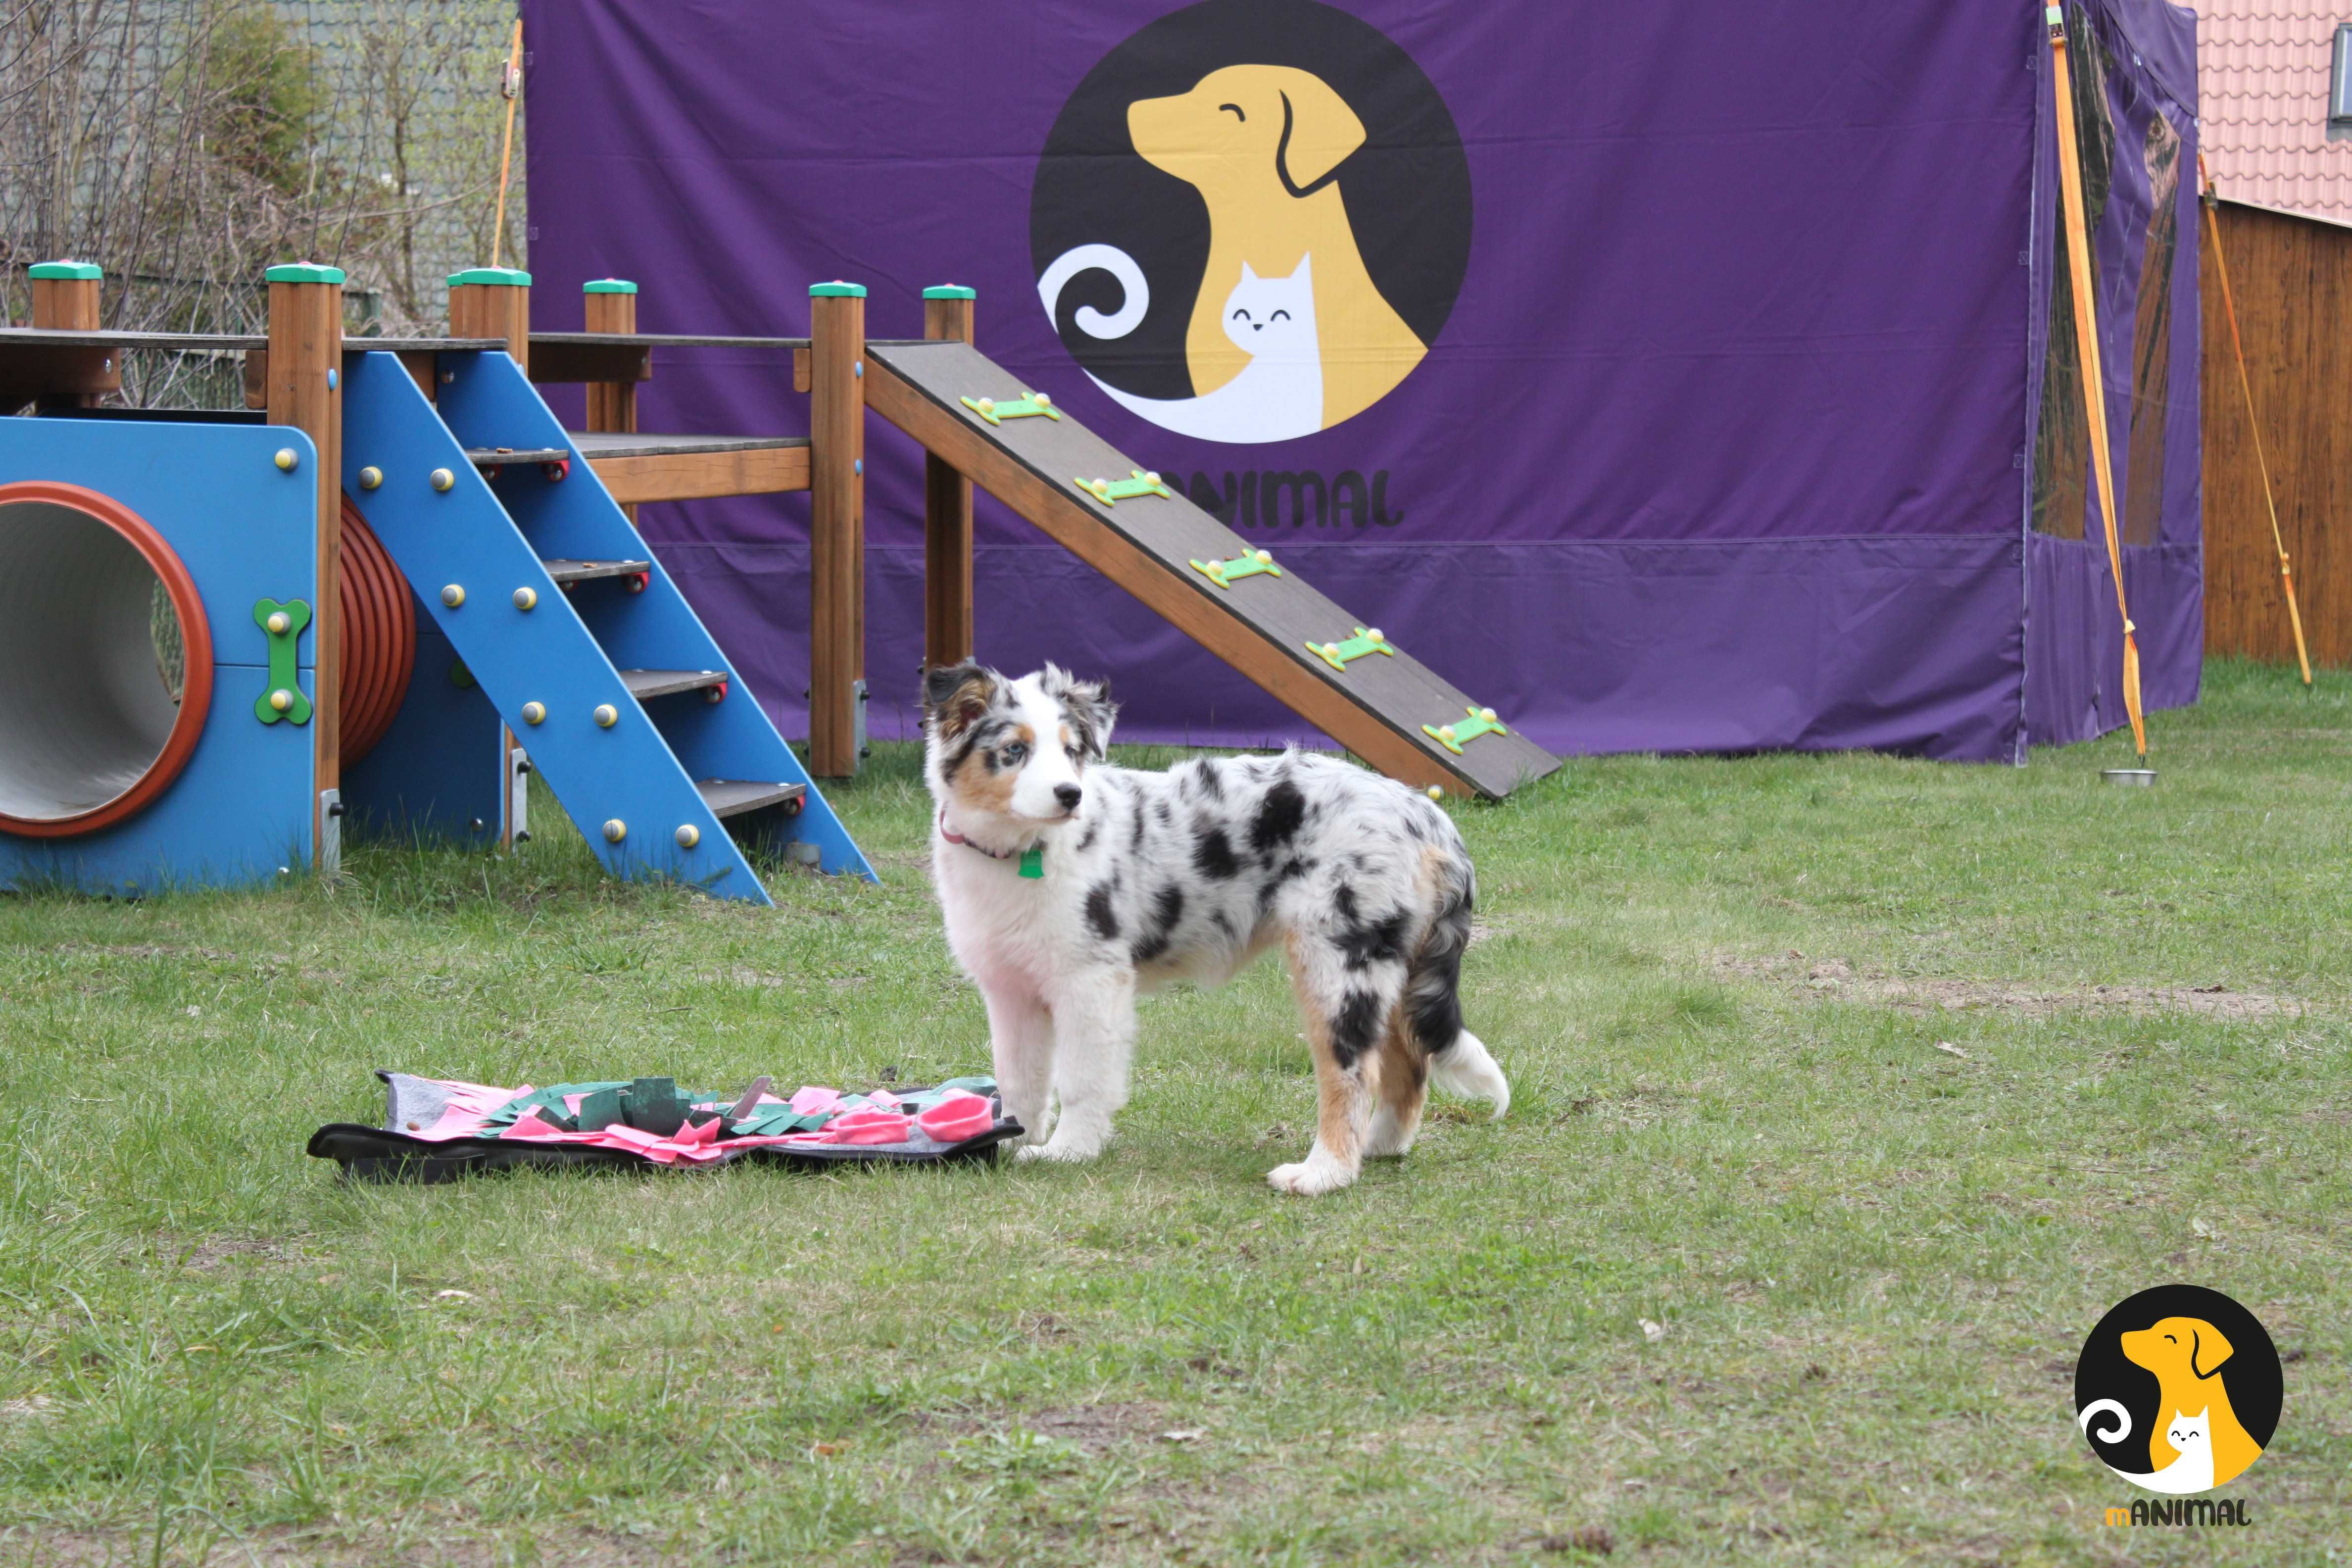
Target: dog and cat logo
[(1251, 219), (2178, 1391)]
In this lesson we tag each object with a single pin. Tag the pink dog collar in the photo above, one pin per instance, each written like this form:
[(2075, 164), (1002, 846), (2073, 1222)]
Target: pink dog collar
[(1033, 859)]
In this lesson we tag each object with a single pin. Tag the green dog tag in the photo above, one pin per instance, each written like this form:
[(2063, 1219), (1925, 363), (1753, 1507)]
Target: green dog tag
[(1033, 863)]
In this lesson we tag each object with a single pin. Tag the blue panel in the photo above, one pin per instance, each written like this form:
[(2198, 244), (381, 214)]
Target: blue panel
[(238, 813), (491, 403), (244, 530), (436, 771)]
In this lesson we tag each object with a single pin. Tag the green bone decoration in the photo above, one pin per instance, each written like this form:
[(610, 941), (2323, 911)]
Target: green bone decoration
[(1028, 405), (1462, 732), (1338, 654), (1110, 492), (282, 624), (1248, 563)]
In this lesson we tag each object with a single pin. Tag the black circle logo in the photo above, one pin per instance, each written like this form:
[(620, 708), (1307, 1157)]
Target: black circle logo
[(1252, 219), (2179, 1389)]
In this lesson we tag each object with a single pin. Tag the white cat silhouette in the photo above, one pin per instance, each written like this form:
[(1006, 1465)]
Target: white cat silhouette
[(1278, 396), (2191, 1437)]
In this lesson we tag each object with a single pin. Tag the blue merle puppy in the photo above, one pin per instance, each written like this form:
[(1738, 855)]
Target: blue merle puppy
[(1069, 886)]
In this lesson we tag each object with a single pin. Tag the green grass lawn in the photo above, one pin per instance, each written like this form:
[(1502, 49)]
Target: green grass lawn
[(1721, 988)]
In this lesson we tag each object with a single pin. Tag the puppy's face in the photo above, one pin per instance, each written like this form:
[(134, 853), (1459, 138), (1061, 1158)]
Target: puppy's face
[(1013, 750)]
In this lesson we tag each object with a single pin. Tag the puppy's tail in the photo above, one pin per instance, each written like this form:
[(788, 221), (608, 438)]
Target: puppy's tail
[(1458, 1061), (1135, 293)]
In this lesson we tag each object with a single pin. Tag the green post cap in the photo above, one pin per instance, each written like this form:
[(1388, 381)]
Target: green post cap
[(950, 291), (836, 291), (303, 272), (608, 286), (505, 276), (45, 271)]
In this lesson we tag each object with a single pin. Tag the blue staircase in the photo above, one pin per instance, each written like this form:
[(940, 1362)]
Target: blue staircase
[(581, 642)]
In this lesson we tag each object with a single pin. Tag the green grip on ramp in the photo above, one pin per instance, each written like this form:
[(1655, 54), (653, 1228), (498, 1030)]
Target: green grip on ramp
[(1110, 492), (1338, 654), (1462, 732)]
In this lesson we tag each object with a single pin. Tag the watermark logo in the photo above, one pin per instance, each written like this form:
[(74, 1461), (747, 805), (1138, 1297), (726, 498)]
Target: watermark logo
[(1251, 219), (2176, 1391)]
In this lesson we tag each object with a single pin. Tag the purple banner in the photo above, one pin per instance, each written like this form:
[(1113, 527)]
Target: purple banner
[(1665, 376)]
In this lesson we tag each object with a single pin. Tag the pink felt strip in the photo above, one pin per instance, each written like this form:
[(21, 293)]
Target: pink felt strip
[(958, 1117), (867, 1127), (530, 1125), (464, 1109), (814, 1099)]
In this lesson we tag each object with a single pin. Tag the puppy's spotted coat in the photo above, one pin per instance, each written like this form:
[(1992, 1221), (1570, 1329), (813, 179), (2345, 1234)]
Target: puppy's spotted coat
[(1190, 875)]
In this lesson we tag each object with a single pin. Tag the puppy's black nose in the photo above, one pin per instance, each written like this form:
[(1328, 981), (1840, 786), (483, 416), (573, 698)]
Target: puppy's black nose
[(1069, 796)]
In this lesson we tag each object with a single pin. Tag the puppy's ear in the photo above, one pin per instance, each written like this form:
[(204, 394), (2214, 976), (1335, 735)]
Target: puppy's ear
[(955, 696), (2207, 1350), (1087, 707), (1318, 132)]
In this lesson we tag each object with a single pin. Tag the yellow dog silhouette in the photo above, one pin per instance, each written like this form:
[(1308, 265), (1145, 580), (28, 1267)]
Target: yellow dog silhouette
[(2186, 1355), (1262, 145)]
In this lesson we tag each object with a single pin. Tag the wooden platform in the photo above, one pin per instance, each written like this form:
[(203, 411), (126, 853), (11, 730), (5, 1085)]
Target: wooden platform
[(1261, 624), (642, 467)]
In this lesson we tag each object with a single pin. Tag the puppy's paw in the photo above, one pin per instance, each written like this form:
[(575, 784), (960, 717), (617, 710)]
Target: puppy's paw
[(1059, 1153), (1389, 1139), (1311, 1177)]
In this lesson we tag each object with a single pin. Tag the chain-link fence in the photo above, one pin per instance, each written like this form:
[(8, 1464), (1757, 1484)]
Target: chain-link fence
[(184, 145)]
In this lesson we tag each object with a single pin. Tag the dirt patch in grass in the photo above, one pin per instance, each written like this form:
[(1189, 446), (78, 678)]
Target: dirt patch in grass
[(1093, 1428), (216, 1252), (1836, 980)]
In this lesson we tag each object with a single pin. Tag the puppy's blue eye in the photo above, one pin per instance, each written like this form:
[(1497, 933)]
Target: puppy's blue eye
[(1014, 754)]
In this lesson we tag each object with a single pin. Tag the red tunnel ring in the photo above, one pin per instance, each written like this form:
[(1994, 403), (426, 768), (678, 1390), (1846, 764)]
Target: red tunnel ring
[(379, 639), (195, 643)]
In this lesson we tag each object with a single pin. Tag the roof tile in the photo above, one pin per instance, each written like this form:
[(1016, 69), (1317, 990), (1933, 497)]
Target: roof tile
[(2262, 73)]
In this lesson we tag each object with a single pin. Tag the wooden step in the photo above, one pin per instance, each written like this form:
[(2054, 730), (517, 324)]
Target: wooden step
[(732, 797), (569, 572), (645, 683), (499, 456), (641, 467)]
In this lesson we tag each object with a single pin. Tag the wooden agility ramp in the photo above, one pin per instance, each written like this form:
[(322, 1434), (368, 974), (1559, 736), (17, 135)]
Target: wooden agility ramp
[(1383, 705)]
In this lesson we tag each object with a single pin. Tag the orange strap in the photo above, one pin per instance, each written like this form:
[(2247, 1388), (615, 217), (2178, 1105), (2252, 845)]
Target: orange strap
[(2087, 339), (509, 83), (2229, 310)]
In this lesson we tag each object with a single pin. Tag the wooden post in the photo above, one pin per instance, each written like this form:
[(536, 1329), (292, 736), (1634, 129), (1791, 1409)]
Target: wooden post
[(493, 302), (946, 511), (65, 300), (305, 391), (610, 305), (836, 527)]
